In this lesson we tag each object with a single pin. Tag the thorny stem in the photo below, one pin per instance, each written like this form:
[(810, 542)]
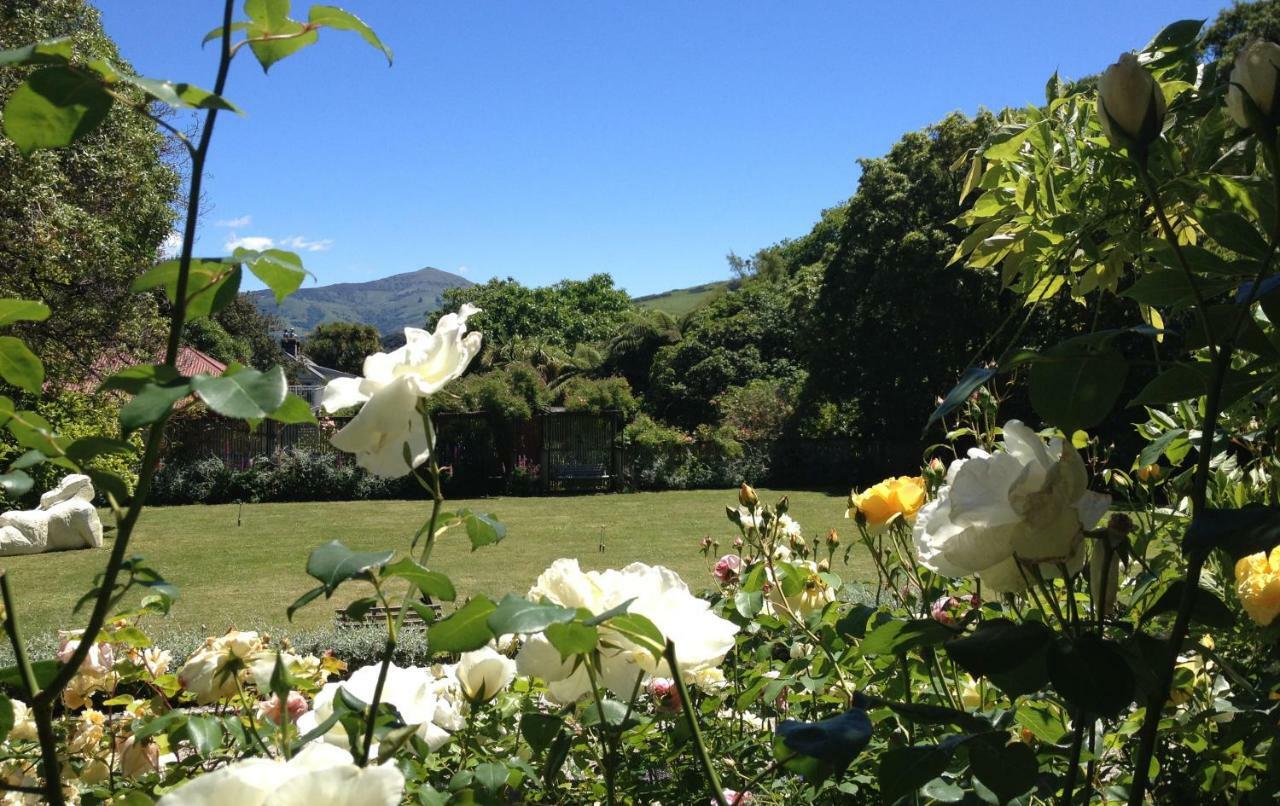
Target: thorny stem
[(695, 732), (1196, 557), (43, 700)]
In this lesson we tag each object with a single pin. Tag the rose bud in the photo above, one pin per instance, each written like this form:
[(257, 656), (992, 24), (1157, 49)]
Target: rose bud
[(1131, 107), (747, 496), (1252, 91)]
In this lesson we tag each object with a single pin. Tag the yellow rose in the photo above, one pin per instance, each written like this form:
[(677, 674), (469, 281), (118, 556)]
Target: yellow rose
[(888, 501), (1150, 473), (1258, 585)]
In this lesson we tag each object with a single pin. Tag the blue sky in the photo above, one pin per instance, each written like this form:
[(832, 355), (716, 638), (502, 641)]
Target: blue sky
[(549, 140)]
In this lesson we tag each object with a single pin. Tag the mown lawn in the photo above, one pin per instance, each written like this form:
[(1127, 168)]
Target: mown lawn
[(247, 575)]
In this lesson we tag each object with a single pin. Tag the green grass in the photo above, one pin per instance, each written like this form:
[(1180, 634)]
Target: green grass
[(247, 575), (683, 300)]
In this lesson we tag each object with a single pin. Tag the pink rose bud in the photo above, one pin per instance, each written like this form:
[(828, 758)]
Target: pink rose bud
[(728, 569), (737, 798), (939, 610), (270, 709), (666, 697), (737, 543)]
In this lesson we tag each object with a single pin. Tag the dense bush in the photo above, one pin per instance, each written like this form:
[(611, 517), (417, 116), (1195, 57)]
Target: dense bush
[(291, 475)]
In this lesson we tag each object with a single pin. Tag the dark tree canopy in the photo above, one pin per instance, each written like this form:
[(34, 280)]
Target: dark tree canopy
[(78, 224), (1236, 27), (342, 345)]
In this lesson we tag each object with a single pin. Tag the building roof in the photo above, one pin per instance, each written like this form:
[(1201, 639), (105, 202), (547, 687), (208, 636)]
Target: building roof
[(190, 362)]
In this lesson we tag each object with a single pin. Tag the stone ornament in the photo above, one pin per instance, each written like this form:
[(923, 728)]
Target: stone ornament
[(66, 519)]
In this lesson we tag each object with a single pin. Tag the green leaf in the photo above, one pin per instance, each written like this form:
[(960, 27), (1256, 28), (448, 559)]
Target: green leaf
[(432, 583), (86, 448), (1043, 719), (1175, 35), (50, 51), (54, 107), (204, 733), (134, 379), (1091, 673), (245, 394), (270, 18), (903, 770), (293, 410), (1178, 382), (609, 712), (333, 563), (483, 528), (1233, 231), (998, 645), (6, 715), (519, 615), (641, 632), (897, 637), (1238, 532), (491, 776), (108, 483), (466, 629), (15, 483), (1076, 389), (333, 17), (1174, 441), (572, 638), (1206, 607), (144, 728), (216, 33), (357, 610), (748, 603), (19, 366), (1006, 768), (281, 271), (1168, 288), (22, 310), (151, 403), (303, 600), (211, 284), (179, 95), (973, 378), (539, 729)]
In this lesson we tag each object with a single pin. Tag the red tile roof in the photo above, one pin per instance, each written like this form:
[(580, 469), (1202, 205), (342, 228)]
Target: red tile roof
[(190, 362)]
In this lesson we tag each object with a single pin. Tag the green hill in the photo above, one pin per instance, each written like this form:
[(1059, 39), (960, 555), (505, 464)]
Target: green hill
[(681, 301), (389, 303)]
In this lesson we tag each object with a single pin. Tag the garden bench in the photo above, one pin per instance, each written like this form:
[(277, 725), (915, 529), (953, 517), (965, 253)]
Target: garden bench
[(378, 615)]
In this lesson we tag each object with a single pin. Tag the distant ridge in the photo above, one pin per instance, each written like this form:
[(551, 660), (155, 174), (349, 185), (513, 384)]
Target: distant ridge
[(388, 303), (681, 301)]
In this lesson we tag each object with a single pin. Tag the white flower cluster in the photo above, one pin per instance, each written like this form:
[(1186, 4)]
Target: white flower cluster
[(702, 639)]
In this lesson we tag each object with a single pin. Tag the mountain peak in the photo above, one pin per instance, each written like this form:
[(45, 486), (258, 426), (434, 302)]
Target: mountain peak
[(388, 303)]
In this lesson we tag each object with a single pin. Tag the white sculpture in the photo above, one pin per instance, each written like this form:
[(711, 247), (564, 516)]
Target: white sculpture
[(66, 519)]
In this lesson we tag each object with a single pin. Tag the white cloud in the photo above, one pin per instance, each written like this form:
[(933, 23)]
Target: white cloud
[(171, 245), (255, 242), (463, 270), (299, 242), (235, 223)]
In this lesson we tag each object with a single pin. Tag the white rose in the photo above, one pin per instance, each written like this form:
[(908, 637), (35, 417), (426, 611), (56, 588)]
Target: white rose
[(1131, 107), (319, 773), (1254, 74), (390, 389), (210, 673), (702, 638), (483, 673), (24, 726), (814, 593), (1028, 501), (427, 698)]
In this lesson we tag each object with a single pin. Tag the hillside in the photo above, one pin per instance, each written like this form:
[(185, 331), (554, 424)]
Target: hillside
[(389, 303), (681, 301)]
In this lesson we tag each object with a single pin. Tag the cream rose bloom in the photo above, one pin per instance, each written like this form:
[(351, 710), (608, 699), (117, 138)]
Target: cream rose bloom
[(1027, 501), (702, 638), (317, 774), (1254, 73), (426, 697), (1131, 107), (211, 671), (390, 389), (483, 673)]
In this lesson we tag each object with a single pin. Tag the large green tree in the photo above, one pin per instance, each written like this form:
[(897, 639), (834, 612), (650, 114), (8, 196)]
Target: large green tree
[(342, 345), (78, 224), (565, 315)]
